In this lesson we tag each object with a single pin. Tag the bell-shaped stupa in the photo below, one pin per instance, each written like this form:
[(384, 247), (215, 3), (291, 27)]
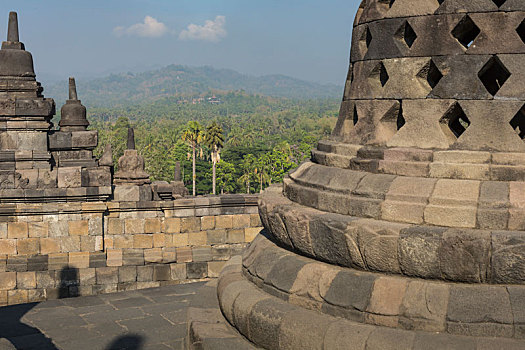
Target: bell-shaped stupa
[(406, 230)]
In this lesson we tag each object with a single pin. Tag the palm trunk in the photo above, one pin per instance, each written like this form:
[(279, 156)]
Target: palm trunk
[(261, 191), (193, 146), (213, 176), (248, 187)]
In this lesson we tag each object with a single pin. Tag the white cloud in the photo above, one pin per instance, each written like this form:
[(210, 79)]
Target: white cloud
[(151, 28), (210, 31)]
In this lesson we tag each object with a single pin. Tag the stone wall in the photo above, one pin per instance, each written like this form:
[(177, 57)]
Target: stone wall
[(55, 250)]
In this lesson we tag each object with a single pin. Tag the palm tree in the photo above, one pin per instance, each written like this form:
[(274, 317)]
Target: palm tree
[(193, 136), (248, 168), (214, 139)]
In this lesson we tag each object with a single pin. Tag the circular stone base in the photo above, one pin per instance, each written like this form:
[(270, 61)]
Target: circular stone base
[(280, 300)]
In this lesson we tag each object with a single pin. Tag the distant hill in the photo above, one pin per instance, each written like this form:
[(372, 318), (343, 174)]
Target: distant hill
[(177, 80)]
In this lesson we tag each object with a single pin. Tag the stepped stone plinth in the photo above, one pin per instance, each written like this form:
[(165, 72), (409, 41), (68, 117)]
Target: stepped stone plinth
[(406, 230)]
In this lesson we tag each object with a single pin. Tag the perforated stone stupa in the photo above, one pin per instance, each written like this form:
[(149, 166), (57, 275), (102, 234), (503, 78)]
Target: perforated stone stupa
[(406, 230)]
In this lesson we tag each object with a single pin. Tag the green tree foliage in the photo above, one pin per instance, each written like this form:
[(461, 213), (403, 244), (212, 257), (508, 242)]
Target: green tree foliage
[(193, 136), (214, 139), (263, 137)]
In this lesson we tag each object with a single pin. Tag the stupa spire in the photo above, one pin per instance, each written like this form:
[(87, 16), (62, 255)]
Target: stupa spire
[(131, 139), (12, 29), (72, 89)]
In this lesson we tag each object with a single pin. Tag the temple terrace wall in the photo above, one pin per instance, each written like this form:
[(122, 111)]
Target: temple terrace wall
[(56, 250)]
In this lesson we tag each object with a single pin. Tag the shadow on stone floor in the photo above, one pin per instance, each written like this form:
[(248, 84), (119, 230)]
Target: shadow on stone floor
[(19, 334), (128, 342)]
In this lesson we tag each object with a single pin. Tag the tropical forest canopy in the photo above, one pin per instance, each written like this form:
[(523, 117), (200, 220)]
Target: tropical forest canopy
[(264, 137)]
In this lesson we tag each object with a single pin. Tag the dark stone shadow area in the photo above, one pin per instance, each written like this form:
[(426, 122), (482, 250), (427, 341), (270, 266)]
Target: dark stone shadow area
[(19, 334), (128, 342)]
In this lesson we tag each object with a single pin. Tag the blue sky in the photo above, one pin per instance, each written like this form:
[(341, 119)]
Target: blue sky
[(306, 39)]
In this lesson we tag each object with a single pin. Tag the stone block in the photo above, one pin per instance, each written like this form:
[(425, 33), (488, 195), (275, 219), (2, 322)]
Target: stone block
[(127, 274), (133, 226), (169, 255), (17, 230), (190, 224), (180, 239), (26, 280), (241, 221), (8, 246), (26, 179), (38, 229), (45, 279), (250, 233), (115, 226), (235, 236), (184, 254), (17, 296), (38, 263), (70, 244), (59, 229), (133, 257), (178, 272), (58, 261), (124, 241), (161, 272), (96, 177), (419, 251), (200, 254), (78, 228), (197, 238), (159, 240), (207, 223), (114, 257), (424, 306), (152, 225), (79, 260), (216, 236), (386, 299), (480, 310), (172, 225), (69, 177), (142, 241), (132, 193), (145, 273), (153, 255), (197, 270), (97, 259), (215, 268), (29, 246), (508, 257), (224, 222), (7, 280), (87, 277), (107, 275)]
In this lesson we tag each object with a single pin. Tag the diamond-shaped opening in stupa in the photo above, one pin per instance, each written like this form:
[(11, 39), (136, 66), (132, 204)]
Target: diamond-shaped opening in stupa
[(431, 74), (466, 31), (521, 31), (499, 3), (355, 116), (518, 123), (493, 75), (379, 74), (406, 34), (456, 120)]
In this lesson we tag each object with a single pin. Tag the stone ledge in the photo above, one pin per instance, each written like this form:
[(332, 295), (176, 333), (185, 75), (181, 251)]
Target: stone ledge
[(272, 323), (463, 255), (207, 327), (441, 164), (372, 298)]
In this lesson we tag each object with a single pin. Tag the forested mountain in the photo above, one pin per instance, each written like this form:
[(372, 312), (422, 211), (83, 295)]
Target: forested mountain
[(177, 80)]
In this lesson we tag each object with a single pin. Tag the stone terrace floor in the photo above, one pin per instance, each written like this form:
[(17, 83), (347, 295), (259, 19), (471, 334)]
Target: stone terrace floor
[(143, 319)]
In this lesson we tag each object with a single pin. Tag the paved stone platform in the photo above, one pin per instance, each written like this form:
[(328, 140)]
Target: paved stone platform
[(143, 319)]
